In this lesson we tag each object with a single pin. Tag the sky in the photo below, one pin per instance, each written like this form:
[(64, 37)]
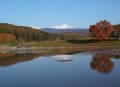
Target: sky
[(48, 13)]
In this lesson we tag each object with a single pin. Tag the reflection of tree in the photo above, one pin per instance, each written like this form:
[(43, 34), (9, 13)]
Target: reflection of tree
[(7, 59), (102, 63)]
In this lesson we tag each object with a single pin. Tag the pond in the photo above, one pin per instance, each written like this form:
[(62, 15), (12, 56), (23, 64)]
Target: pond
[(62, 70)]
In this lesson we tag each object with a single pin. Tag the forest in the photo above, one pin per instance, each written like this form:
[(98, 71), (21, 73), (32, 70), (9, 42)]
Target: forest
[(9, 32)]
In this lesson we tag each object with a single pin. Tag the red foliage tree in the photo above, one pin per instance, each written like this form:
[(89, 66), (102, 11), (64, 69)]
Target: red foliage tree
[(101, 31), (7, 37)]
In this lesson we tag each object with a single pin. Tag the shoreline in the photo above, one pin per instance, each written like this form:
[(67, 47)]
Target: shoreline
[(55, 49)]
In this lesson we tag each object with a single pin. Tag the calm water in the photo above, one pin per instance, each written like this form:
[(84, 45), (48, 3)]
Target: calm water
[(76, 70)]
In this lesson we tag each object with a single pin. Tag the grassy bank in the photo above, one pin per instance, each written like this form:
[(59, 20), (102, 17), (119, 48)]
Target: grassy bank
[(72, 43), (63, 43), (60, 46)]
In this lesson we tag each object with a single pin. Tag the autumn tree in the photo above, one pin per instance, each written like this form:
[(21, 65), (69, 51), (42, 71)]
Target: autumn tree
[(101, 31), (7, 37)]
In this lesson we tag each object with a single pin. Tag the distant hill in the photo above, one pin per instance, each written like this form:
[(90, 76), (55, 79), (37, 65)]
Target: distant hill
[(74, 31), (53, 30), (10, 33), (23, 33)]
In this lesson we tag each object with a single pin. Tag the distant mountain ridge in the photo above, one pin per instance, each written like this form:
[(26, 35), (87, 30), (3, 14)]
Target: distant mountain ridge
[(63, 26), (53, 30), (73, 31)]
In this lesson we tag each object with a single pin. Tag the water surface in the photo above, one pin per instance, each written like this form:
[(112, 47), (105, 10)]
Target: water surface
[(66, 70)]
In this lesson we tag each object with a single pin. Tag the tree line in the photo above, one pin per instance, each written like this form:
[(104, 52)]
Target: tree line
[(100, 31), (9, 32)]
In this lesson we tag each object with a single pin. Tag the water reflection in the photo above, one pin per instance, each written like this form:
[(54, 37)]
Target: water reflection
[(7, 59), (102, 63), (46, 71), (63, 58)]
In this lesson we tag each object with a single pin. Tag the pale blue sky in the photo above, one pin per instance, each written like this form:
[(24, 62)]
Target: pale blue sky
[(47, 13)]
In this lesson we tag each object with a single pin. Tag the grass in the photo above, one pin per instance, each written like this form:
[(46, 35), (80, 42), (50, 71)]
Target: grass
[(63, 43), (62, 46), (105, 43), (81, 41), (13, 43), (52, 44), (72, 43), (115, 43)]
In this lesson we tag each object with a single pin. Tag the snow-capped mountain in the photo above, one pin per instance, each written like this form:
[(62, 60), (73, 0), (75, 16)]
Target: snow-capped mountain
[(36, 27), (65, 30), (62, 26)]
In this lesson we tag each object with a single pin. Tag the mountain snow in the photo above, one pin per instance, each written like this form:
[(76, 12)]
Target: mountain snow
[(36, 27), (62, 26)]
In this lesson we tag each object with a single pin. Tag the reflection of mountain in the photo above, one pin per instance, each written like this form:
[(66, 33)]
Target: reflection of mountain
[(63, 58), (9, 59), (102, 63)]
